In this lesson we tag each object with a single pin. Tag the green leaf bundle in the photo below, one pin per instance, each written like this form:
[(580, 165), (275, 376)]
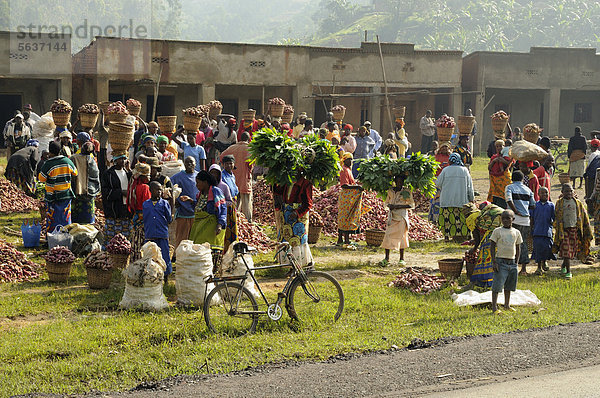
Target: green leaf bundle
[(279, 153), (320, 161)]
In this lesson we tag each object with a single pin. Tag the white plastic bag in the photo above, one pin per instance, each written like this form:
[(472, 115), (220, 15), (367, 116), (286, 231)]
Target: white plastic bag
[(44, 128), (518, 297), (234, 266), (194, 265), (60, 237), (146, 298), (172, 167)]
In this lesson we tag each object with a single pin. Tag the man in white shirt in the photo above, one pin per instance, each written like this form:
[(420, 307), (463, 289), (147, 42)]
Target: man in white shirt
[(329, 119), (427, 127), (374, 134)]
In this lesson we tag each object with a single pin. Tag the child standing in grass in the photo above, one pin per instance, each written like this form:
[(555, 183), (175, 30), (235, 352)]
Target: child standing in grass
[(506, 242), (542, 218), (398, 201), (573, 230), (157, 216)]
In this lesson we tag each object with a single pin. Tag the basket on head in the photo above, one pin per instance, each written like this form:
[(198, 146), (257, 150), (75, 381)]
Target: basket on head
[(117, 117), (450, 267), (314, 233), (465, 124), (167, 124), (445, 133), (58, 272), (499, 124), (399, 112), (120, 136), (249, 114), (99, 278), (104, 106), (214, 111), (531, 136), (564, 178), (134, 110), (374, 237), (191, 123), (287, 118), (61, 119), (339, 114), (276, 110), (88, 120)]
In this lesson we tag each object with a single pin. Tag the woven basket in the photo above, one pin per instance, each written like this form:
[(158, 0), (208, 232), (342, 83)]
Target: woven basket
[(58, 272), (120, 136), (531, 136), (88, 120), (214, 112), (445, 133), (167, 124), (191, 123), (134, 110), (117, 117), (499, 124), (119, 261), (117, 127), (374, 237), (339, 115), (499, 135), (399, 111), (287, 118), (564, 178), (465, 124), (99, 278), (450, 267), (61, 119), (249, 114), (276, 110), (314, 233), (104, 105)]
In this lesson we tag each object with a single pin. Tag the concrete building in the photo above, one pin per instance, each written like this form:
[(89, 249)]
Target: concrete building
[(245, 76), (557, 88), (34, 69)]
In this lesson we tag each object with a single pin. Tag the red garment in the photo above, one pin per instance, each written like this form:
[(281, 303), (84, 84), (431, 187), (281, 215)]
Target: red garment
[(543, 178), (301, 192), (241, 129), (200, 138), (243, 169), (442, 160), (346, 177), (534, 185), (498, 169), (137, 194)]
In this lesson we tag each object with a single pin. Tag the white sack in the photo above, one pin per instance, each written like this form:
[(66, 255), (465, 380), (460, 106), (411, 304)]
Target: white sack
[(519, 297), (233, 266), (194, 265)]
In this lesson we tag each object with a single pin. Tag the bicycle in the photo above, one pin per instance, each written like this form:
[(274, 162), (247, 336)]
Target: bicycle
[(230, 308)]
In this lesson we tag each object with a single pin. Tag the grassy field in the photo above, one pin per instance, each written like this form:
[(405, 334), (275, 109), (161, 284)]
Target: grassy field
[(69, 339)]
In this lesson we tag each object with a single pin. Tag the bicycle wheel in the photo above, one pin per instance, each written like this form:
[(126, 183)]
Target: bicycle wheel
[(226, 310), (319, 298)]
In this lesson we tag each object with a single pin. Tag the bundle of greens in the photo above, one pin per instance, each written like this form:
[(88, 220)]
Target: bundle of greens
[(377, 174), (320, 161), (420, 173), (277, 152)]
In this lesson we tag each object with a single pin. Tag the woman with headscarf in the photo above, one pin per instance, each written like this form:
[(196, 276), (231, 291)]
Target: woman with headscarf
[(441, 156), (115, 182), (456, 190), (350, 207), (210, 214), (86, 185), (65, 138), (22, 165), (137, 193), (231, 234), (164, 155), (482, 222)]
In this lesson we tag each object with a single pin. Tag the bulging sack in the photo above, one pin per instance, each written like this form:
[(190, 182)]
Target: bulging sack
[(194, 266), (60, 237), (525, 151), (234, 266), (172, 167)]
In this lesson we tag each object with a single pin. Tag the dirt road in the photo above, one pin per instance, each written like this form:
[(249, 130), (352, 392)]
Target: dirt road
[(445, 365)]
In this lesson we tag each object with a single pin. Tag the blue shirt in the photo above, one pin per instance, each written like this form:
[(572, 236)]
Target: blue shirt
[(522, 198), (543, 216), (197, 152), (187, 183), (364, 147), (157, 217), (229, 179)]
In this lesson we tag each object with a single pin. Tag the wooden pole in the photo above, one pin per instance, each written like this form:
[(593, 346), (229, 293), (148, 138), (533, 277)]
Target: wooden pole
[(156, 88), (387, 100)]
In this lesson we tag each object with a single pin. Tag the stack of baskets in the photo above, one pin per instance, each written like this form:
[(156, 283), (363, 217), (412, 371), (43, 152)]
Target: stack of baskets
[(120, 136), (465, 125), (167, 124), (374, 237)]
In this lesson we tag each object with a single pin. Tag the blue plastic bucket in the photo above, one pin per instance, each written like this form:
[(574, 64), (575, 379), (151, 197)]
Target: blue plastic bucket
[(31, 234)]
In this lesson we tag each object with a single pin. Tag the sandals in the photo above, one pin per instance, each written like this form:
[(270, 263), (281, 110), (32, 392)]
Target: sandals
[(384, 263), (402, 263), (538, 272)]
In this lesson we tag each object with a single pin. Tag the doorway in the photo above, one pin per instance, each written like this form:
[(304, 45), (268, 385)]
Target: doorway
[(9, 103), (165, 106), (230, 106)]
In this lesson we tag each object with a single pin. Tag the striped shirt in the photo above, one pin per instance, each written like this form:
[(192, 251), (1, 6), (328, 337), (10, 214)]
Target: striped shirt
[(56, 173)]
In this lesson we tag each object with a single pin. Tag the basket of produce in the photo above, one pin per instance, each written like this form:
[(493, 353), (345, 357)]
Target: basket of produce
[(61, 112), (167, 124), (499, 121), (59, 261), (399, 112), (339, 111), (119, 250), (374, 237), (276, 106), (445, 128), (192, 117), (466, 124), (450, 267), (315, 225), (120, 136), (214, 108), (531, 133), (249, 114), (117, 112), (99, 269), (134, 106), (104, 106), (288, 114), (88, 115), (564, 178)]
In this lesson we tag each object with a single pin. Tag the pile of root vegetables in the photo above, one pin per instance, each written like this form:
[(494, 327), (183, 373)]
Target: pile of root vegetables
[(14, 265), (252, 234), (14, 200), (418, 281)]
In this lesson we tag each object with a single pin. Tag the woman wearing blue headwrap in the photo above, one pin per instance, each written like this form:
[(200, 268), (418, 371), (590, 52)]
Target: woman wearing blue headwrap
[(456, 190)]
